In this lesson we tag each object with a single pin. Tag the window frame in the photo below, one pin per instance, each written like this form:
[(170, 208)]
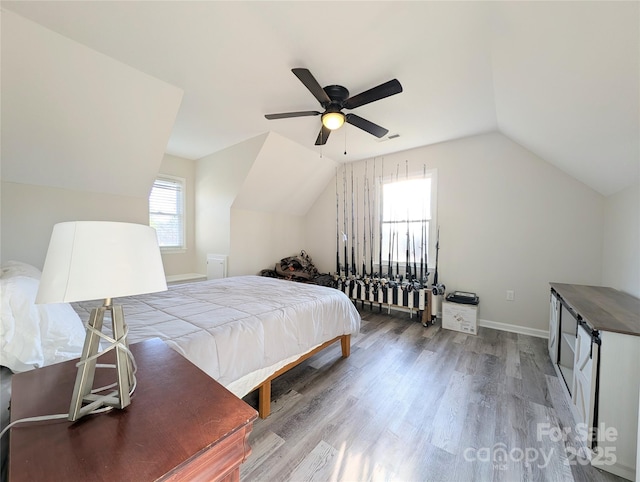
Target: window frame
[(183, 215)]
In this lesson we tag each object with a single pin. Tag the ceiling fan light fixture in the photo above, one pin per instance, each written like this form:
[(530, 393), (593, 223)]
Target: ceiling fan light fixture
[(333, 98), (333, 120)]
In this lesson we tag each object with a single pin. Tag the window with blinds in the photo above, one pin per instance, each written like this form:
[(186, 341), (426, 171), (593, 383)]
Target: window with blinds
[(408, 218), (166, 211)]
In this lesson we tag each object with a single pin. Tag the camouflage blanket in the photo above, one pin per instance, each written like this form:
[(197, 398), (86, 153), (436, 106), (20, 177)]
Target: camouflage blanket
[(299, 268)]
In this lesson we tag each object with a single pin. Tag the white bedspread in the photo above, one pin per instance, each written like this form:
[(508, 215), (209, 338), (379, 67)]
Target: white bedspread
[(239, 330)]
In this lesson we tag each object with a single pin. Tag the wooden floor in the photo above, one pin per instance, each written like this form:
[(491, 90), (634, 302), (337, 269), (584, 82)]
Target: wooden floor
[(420, 404)]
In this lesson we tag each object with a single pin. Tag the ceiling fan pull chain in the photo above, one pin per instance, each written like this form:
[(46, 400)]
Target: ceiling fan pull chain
[(345, 142)]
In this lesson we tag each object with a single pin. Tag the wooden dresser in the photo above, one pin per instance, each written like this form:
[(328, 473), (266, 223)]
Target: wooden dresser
[(181, 425)]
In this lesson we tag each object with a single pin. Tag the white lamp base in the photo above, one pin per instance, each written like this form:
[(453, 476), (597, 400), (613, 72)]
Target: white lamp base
[(85, 399)]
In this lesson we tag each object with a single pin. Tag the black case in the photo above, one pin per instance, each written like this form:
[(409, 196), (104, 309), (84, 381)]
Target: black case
[(463, 297)]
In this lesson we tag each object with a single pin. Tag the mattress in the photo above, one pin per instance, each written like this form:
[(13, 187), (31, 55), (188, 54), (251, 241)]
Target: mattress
[(239, 330)]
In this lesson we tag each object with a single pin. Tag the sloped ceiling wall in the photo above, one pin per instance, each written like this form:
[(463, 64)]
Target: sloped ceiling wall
[(285, 178), (574, 101), (74, 118), (559, 78)]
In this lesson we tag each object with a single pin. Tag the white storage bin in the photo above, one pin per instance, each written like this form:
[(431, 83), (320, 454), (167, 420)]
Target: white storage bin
[(460, 317)]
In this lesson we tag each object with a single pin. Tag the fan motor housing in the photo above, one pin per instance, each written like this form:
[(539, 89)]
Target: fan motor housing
[(337, 94)]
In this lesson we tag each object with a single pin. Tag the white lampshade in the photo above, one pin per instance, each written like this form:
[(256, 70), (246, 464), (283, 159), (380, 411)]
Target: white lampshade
[(333, 120), (90, 260)]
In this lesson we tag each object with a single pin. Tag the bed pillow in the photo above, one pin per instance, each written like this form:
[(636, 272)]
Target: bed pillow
[(18, 268), (31, 335)]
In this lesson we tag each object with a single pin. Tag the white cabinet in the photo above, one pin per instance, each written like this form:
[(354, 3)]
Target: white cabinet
[(594, 344)]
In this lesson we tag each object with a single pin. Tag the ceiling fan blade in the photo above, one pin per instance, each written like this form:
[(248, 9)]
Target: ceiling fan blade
[(366, 125), (376, 93), (323, 135), (312, 84), (285, 115)]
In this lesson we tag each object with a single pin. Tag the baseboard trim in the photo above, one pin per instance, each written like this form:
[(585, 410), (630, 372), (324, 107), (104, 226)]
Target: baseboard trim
[(523, 330), (177, 278)]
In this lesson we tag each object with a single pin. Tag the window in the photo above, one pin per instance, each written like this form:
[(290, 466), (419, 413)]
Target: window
[(166, 211), (408, 222)]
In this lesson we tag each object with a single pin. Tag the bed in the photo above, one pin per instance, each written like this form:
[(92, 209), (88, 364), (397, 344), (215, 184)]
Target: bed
[(242, 331)]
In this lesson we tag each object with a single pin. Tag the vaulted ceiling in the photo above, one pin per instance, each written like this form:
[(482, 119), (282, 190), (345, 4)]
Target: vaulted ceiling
[(560, 78)]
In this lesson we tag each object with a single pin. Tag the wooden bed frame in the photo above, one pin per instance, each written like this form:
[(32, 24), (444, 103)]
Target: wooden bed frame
[(264, 389)]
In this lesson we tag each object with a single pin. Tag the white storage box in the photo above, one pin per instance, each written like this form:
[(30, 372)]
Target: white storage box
[(460, 317)]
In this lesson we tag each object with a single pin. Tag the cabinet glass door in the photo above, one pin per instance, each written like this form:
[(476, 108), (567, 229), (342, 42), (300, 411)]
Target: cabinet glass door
[(553, 328), (584, 385), (566, 345)]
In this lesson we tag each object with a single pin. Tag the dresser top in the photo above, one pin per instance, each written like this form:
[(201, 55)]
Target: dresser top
[(177, 413), (602, 308)]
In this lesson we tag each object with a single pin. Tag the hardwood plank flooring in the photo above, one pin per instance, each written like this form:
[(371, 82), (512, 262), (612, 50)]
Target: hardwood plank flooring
[(419, 404)]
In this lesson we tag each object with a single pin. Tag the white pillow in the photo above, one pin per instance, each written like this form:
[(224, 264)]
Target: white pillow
[(31, 335), (18, 268)]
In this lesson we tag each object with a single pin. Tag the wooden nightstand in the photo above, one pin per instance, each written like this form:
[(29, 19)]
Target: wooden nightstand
[(181, 425)]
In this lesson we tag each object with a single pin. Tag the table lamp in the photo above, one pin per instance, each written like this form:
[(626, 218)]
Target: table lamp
[(91, 260)]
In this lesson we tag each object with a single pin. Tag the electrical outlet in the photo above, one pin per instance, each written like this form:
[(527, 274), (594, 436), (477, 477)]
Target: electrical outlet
[(510, 295)]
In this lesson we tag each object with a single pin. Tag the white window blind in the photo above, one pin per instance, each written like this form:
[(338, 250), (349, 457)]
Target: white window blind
[(166, 211), (407, 217)]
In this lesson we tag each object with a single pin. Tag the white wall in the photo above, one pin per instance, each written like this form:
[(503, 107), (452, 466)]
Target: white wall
[(320, 230), (76, 119), (285, 178), (29, 213), (621, 258), (621, 252), (251, 200), (219, 178), (259, 239), (183, 262), (508, 221)]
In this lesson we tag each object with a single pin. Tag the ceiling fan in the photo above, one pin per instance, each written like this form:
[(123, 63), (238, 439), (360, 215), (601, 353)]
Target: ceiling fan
[(334, 98)]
